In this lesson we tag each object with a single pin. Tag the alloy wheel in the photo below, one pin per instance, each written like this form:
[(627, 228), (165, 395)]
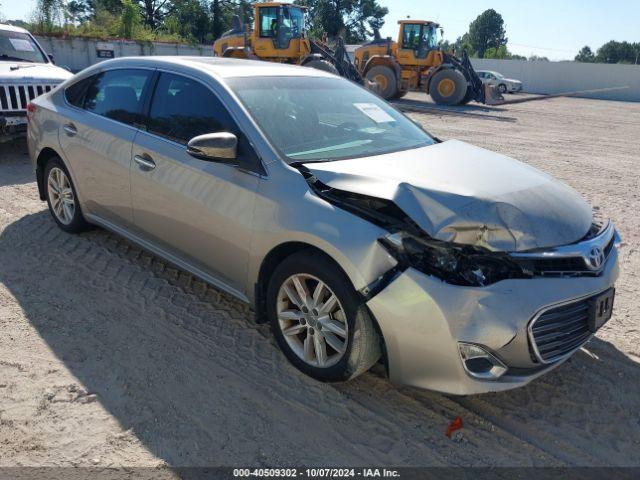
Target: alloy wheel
[(61, 196), (312, 320)]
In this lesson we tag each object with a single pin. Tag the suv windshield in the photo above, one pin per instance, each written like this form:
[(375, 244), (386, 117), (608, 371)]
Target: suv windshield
[(19, 47), (310, 119)]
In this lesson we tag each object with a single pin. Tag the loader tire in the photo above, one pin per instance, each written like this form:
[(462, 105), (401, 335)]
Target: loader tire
[(386, 80), (448, 87), (322, 65)]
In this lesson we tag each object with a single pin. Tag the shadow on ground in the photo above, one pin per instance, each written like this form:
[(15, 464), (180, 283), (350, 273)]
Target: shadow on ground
[(186, 369)]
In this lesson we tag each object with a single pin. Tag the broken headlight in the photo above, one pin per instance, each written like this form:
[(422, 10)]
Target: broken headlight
[(456, 264)]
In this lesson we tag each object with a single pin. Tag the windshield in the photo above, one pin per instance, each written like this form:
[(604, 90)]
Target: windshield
[(293, 21), (16, 46), (497, 75), (311, 119)]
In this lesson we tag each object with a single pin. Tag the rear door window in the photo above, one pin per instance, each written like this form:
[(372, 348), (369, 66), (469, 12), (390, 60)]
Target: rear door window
[(119, 95)]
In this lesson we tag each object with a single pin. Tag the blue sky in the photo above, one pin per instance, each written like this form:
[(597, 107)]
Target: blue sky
[(553, 28)]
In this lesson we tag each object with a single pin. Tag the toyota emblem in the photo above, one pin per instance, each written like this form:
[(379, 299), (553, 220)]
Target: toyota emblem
[(595, 259)]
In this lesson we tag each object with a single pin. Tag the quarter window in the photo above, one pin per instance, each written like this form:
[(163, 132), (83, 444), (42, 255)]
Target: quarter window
[(75, 93), (118, 94), (183, 108)]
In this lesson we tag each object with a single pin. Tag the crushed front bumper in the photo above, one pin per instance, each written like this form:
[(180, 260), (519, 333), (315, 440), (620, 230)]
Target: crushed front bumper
[(423, 319)]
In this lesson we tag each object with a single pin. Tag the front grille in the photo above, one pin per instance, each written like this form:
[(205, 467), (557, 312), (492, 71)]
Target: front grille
[(15, 98), (560, 330)]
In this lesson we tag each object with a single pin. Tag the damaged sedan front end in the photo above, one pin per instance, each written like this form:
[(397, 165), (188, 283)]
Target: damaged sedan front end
[(459, 317)]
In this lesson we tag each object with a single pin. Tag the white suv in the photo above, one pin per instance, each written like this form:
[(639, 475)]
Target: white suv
[(25, 73)]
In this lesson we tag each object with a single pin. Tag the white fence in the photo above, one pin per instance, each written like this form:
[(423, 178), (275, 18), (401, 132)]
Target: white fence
[(562, 77), (537, 77), (79, 53)]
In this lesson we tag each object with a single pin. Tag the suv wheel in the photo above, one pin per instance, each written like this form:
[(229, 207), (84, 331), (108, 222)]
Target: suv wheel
[(62, 197), (319, 321)]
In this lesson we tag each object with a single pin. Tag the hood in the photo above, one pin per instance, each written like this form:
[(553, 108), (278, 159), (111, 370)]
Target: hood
[(511, 80), (464, 194), (33, 73)]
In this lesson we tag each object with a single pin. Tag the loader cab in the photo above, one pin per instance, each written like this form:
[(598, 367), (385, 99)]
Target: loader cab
[(281, 24), (417, 39)]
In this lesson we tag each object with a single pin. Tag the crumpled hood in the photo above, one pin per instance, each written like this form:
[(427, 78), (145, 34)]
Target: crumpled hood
[(464, 194), (32, 73)]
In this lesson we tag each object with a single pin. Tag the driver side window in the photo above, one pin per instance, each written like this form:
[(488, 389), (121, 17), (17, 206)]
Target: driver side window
[(411, 37)]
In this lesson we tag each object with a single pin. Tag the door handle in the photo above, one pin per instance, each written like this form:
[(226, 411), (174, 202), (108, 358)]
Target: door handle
[(70, 130), (145, 162)]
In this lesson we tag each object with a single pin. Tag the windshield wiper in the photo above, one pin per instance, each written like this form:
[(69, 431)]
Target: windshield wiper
[(4, 56)]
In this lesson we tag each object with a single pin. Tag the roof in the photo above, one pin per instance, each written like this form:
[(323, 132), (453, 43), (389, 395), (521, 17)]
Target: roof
[(11, 28), (220, 67), (426, 22)]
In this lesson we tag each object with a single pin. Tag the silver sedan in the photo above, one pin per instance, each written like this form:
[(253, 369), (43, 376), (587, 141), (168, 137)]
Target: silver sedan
[(504, 84), (358, 236)]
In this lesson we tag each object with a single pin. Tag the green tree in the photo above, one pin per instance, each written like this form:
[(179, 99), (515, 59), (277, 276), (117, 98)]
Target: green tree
[(354, 20), (48, 14), (619, 52), (536, 58), (130, 18), (487, 32), (585, 55)]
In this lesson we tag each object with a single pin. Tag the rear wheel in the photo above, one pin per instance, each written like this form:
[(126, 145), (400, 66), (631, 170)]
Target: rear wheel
[(320, 322), (62, 197), (385, 77), (322, 65), (448, 87)]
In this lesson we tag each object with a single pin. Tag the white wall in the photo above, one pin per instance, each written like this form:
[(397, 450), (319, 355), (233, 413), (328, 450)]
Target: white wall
[(79, 53), (538, 77), (562, 77)]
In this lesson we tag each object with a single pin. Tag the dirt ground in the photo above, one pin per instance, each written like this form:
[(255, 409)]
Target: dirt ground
[(110, 357)]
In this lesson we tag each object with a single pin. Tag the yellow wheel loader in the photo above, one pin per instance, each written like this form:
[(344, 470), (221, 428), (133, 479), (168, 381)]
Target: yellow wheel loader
[(416, 63), (278, 35)]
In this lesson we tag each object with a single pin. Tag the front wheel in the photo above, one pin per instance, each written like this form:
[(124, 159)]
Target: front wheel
[(502, 88), (319, 321), (385, 78), (448, 87)]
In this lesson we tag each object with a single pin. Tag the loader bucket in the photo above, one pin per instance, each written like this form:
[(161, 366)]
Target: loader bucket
[(492, 95)]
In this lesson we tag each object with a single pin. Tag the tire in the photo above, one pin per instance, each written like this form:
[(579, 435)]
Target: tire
[(68, 217), (358, 341), (385, 77), (448, 87), (502, 88), (322, 65)]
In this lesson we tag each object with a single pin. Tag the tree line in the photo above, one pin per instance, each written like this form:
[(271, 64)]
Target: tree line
[(611, 52), (194, 21)]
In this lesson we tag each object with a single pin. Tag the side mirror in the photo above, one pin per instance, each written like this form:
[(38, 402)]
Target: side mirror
[(215, 147), (51, 57)]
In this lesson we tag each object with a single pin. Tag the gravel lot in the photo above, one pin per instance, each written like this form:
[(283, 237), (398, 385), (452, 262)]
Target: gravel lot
[(110, 357)]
